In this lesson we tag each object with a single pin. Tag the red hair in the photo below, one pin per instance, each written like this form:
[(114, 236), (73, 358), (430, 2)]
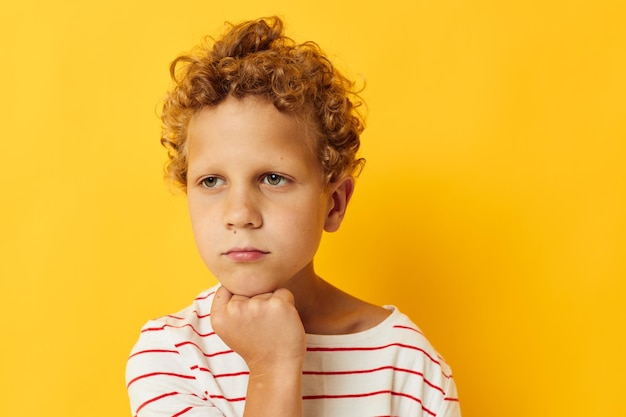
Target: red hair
[(256, 58)]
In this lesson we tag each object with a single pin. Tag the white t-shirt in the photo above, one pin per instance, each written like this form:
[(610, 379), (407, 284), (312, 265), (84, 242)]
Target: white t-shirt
[(180, 367)]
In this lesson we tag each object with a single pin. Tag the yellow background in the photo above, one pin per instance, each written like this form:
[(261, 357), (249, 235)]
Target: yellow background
[(492, 208)]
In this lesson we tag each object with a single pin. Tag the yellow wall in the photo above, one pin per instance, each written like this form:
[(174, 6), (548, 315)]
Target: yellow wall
[(492, 208)]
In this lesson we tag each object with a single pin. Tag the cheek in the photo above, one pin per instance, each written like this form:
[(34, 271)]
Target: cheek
[(306, 220), (203, 221), (196, 222)]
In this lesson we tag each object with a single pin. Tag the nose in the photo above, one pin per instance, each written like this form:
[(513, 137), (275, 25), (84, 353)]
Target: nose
[(241, 210)]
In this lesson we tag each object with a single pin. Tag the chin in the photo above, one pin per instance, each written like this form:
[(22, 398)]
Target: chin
[(249, 291)]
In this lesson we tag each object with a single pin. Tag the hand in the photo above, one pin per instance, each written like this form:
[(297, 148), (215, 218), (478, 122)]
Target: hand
[(265, 330)]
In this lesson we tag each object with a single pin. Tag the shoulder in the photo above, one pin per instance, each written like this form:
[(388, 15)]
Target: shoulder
[(197, 311), (420, 368), (398, 353), (164, 344), (434, 369), (167, 332), (395, 338), (407, 335), (162, 371)]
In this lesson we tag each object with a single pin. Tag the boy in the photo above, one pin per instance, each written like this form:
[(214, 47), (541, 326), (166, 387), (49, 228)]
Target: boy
[(262, 135)]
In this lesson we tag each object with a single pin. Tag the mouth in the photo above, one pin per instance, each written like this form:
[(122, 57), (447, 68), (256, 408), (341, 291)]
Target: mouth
[(245, 254)]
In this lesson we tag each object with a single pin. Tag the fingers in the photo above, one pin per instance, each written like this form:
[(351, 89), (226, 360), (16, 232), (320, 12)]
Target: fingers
[(281, 295), (223, 297), (285, 295), (263, 296)]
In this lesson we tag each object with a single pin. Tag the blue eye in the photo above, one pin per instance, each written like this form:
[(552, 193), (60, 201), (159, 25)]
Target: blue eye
[(274, 179), (211, 182)]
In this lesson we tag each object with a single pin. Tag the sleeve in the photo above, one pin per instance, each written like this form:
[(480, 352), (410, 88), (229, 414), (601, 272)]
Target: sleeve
[(450, 406), (160, 385)]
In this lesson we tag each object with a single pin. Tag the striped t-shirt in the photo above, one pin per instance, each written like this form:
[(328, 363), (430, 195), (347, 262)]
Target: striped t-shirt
[(180, 367)]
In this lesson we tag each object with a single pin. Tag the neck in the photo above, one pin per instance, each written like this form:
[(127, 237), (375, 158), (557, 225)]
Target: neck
[(324, 309), (309, 292)]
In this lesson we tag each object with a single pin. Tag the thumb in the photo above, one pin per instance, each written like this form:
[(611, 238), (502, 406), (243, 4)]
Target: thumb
[(285, 295), (220, 299)]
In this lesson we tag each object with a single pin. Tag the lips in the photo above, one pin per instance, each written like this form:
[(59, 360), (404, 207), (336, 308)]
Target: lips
[(245, 254)]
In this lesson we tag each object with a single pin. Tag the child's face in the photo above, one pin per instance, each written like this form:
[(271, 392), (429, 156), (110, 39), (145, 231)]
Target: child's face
[(256, 196)]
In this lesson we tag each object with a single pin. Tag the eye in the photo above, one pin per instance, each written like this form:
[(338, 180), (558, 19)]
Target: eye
[(274, 179), (211, 182)]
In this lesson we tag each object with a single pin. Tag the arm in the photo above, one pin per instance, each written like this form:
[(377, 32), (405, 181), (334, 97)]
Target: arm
[(266, 331)]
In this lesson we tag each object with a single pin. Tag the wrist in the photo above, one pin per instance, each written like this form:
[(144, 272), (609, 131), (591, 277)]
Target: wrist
[(268, 370), (274, 391)]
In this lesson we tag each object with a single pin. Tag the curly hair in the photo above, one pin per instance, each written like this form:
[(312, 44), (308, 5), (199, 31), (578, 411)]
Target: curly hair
[(256, 58)]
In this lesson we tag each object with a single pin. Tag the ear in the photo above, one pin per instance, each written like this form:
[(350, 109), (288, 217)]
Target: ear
[(340, 194)]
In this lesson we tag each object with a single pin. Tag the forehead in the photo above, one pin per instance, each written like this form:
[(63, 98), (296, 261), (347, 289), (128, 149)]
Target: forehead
[(252, 124)]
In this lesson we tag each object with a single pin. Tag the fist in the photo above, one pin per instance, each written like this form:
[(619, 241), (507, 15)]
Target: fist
[(265, 330)]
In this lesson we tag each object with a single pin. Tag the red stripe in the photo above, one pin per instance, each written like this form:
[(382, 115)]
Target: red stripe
[(232, 374), (201, 316), (204, 297), (230, 400), (397, 326), (349, 349), (180, 413), (451, 399), (208, 355), (382, 368), (401, 394), (159, 373), (368, 394), (169, 394), (153, 351), (156, 329), (198, 315)]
